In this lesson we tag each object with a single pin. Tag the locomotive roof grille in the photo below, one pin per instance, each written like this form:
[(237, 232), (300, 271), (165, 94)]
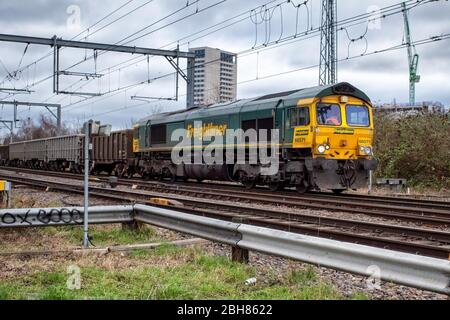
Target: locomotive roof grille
[(344, 88)]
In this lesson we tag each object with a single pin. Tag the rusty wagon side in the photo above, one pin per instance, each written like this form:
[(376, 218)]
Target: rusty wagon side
[(113, 153)]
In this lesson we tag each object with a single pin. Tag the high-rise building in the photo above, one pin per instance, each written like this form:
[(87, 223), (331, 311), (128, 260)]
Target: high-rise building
[(215, 76)]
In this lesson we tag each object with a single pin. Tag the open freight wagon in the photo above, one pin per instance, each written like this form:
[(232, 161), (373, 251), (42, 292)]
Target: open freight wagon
[(111, 153)]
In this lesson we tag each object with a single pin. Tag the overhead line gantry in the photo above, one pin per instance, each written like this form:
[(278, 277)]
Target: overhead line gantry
[(172, 56)]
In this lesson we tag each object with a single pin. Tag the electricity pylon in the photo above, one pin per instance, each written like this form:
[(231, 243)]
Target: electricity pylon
[(328, 43)]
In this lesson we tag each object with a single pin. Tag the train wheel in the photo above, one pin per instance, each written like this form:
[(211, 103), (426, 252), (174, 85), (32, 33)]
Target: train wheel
[(158, 176), (275, 186), (145, 176), (249, 183), (338, 191), (199, 180), (301, 188), (167, 174)]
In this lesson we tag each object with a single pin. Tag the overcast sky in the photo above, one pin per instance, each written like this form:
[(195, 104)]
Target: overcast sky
[(383, 76)]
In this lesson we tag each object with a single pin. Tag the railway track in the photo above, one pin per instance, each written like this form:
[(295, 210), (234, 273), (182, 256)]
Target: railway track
[(432, 213), (424, 241)]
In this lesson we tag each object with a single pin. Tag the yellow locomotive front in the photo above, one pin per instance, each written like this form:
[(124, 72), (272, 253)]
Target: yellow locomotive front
[(340, 137)]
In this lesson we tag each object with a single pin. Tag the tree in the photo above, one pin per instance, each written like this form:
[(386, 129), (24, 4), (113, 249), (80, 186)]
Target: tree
[(46, 127)]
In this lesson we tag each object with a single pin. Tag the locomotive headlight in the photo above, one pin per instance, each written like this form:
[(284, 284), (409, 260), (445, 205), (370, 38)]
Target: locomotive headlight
[(321, 149), (366, 150)]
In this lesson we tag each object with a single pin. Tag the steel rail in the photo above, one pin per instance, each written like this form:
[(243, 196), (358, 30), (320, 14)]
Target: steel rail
[(236, 188), (325, 227), (415, 214)]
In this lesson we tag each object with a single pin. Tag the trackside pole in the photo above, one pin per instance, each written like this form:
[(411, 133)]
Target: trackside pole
[(87, 147), (370, 181)]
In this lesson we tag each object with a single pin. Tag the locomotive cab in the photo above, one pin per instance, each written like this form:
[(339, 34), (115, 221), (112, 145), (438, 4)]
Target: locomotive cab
[(337, 133), (343, 128)]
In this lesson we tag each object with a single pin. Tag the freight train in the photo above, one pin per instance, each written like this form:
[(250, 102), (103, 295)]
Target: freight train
[(323, 141), (111, 153)]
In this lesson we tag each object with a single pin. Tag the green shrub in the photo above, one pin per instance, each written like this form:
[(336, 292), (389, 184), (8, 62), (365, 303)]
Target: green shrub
[(415, 147)]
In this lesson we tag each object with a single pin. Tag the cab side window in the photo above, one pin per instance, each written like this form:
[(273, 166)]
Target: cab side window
[(298, 116)]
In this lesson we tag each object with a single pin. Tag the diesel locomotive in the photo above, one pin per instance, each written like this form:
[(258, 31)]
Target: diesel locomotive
[(325, 140)]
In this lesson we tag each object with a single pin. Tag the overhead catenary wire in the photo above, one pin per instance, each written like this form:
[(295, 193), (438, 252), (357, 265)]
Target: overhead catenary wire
[(121, 42), (362, 15), (79, 34), (187, 5), (198, 32), (142, 59), (249, 11), (121, 17), (392, 48), (187, 16), (49, 77), (388, 11), (117, 43), (74, 37), (286, 39)]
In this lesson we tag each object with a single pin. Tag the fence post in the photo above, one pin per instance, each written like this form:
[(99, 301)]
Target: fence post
[(130, 226), (239, 254), (87, 148)]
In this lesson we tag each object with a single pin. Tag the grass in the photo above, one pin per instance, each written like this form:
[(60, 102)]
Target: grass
[(104, 236), (28, 201), (164, 249), (203, 277), (166, 272)]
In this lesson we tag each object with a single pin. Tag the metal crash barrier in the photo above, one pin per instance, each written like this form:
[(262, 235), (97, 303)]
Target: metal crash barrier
[(407, 269)]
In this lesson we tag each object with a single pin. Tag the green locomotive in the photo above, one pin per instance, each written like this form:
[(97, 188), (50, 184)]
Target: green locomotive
[(324, 140)]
